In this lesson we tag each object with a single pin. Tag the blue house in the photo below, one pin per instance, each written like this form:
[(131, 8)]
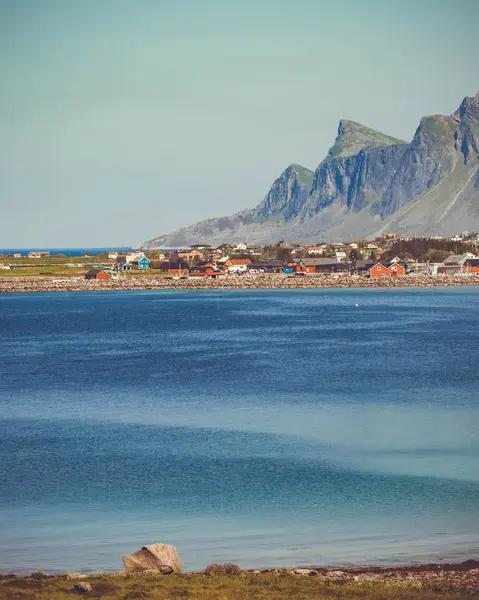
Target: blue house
[(142, 263)]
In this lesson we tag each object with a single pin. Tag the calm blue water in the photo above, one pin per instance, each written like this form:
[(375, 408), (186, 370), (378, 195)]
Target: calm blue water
[(266, 428)]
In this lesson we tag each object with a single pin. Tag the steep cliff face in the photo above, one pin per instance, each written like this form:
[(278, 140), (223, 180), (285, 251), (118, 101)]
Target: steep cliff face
[(429, 158), (287, 195), (467, 134), (354, 181), (368, 183)]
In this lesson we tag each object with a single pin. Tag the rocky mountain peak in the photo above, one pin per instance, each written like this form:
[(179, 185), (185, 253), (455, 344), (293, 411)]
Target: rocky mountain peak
[(353, 137), (288, 193), (369, 183)]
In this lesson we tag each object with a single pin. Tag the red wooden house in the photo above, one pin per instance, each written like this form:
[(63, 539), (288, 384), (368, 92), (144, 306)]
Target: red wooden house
[(387, 270)]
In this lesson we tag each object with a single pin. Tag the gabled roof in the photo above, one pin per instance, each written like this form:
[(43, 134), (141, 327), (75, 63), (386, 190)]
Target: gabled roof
[(456, 259), (93, 272), (387, 265), (174, 265)]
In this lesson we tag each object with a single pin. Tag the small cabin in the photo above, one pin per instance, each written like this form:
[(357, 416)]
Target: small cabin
[(141, 264), (97, 274)]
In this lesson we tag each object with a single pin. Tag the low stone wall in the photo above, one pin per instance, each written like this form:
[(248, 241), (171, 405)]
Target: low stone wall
[(71, 284)]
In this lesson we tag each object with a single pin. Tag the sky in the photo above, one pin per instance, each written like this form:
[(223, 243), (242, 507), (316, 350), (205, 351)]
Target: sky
[(122, 120)]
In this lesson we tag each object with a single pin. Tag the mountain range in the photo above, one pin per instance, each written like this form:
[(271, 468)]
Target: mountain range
[(368, 184)]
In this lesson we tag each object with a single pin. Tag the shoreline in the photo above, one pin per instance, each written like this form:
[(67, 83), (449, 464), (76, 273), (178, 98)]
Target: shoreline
[(79, 284), (440, 578), (348, 569)]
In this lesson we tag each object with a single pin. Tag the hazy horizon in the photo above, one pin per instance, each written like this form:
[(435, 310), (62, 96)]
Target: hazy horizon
[(122, 121)]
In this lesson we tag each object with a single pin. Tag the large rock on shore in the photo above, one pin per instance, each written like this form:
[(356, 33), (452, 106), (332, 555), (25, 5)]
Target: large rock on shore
[(162, 558)]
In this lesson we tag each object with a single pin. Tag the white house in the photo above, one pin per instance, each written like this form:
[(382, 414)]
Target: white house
[(316, 250), (241, 246)]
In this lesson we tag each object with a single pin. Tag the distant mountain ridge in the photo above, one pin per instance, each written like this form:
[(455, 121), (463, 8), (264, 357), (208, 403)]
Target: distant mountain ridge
[(369, 183)]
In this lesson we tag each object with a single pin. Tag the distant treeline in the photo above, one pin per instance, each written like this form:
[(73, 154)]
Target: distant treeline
[(427, 249)]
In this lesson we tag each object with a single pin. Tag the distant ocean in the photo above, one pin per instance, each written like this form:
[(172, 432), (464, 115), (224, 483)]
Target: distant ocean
[(265, 428), (65, 251)]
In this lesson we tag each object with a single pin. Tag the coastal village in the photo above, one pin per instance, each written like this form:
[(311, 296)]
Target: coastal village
[(391, 256)]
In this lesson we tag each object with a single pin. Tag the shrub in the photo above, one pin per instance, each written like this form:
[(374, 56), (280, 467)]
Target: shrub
[(222, 569)]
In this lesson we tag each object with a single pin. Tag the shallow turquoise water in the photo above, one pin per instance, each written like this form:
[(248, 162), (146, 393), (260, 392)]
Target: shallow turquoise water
[(265, 428)]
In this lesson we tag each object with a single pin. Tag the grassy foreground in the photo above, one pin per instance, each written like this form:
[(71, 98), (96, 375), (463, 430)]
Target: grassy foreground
[(244, 586)]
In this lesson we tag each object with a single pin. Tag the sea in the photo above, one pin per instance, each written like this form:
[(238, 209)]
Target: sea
[(268, 428)]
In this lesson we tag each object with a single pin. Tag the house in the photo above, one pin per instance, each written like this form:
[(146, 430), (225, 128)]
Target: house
[(270, 266), (200, 247), (254, 250), (97, 274), (17, 255), (321, 265), (341, 256), (223, 248), (39, 254), (222, 261), (112, 255), (175, 267), (205, 271), (241, 247), (458, 259), (191, 255), (316, 250), (337, 245), (236, 265), (360, 266), (455, 263), (121, 264), (86, 255), (371, 248), (471, 265), (387, 270), (142, 264), (5, 267)]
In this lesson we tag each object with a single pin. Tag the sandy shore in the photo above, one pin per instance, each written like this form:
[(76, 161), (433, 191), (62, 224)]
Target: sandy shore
[(70, 284)]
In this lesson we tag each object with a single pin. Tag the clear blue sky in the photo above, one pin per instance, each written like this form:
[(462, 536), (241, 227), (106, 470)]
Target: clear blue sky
[(124, 119)]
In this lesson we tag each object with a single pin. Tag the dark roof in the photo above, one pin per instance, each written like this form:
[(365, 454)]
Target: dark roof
[(313, 262), (364, 264), (271, 264), (92, 272), (121, 260), (174, 264), (472, 262)]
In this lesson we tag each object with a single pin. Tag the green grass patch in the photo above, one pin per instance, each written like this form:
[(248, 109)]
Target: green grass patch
[(244, 586)]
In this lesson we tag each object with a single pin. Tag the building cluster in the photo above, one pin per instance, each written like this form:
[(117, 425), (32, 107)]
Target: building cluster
[(360, 258)]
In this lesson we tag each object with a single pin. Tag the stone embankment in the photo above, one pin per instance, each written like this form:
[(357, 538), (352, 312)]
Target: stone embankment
[(461, 575), (72, 284)]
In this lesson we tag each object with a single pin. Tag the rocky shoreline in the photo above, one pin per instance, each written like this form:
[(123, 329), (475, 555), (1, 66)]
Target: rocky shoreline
[(463, 575), (74, 284)]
